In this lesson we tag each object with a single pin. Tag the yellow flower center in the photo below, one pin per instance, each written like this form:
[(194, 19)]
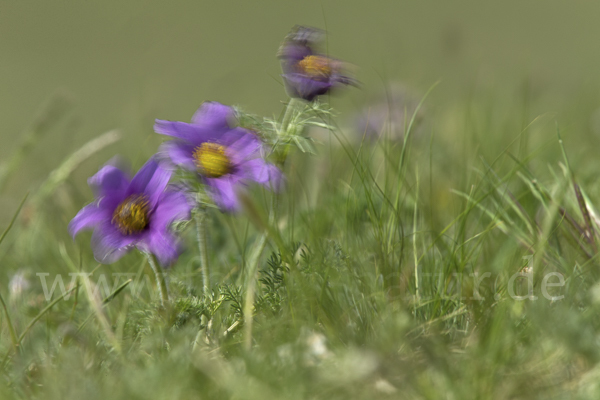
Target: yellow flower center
[(315, 66), (131, 216), (211, 160)]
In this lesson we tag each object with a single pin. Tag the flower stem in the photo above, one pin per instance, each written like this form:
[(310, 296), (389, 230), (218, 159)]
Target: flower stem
[(11, 329), (161, 283), (290, 111), (251, 288), (203, 246)]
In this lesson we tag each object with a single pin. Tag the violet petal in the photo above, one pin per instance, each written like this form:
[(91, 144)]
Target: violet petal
[(214, 115), (109, 181), (151, 180), (223, 192), (172, 206), (88, 217), (162, 244), (243, 144), (305, 87), (180, 153), (194, 134), (262, 172), (109, 244)]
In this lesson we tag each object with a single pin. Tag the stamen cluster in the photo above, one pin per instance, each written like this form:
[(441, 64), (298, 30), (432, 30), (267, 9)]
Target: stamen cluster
[(211, 160), (131, 216), (318, 67)]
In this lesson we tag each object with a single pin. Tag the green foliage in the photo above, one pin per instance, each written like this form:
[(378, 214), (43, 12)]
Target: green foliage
[(387, 274), (272, 278)]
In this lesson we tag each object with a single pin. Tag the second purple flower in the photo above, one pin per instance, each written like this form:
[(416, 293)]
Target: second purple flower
[(224, 156)]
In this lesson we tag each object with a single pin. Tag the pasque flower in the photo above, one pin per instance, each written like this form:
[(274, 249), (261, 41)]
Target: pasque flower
[(134, 212), (224, 156), (307, 73), (390, 114)]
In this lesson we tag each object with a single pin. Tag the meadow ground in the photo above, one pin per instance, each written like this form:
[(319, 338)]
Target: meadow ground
[(452, 258)]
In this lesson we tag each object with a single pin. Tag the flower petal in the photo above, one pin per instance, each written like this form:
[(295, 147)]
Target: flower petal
[(299, 85), (345, 80), (151, 180), (88, 217), (214, 115), (304, 35), (110, 181), (241, 144), (172, 206), (291, 53), (162, 244), (194, 134), (180, 153), (223, 192), (109, 244), (260, 171)]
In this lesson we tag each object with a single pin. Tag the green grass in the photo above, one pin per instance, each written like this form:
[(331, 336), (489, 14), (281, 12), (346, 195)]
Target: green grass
[(367, 285)]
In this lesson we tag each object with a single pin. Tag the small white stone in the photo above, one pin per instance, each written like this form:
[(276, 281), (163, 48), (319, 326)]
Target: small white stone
[(18, 284), (383, 386)]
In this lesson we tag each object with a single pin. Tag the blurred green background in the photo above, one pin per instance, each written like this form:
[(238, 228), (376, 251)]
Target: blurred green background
[(125, 63)]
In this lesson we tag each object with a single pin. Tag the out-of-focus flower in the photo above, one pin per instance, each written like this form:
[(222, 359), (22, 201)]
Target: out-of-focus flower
[(224, 156), (390, 114), (316, 348), (307, 73), (18, 284), (133, 212)]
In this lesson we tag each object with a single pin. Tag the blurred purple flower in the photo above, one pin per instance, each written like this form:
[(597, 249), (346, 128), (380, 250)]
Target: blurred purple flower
[(18, 284), (390, 113), (224, 156), (306, 73), (133, 212)]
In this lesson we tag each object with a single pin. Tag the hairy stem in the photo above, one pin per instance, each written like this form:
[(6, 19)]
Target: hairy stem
[(290, 111), (203, 246), (289, 114), (251, 288), (11, 329), (292, 107), (161, 283)]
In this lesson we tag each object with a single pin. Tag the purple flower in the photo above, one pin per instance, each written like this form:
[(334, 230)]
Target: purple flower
[(389, 115), (306, 73), (225, 157), (133, 212)]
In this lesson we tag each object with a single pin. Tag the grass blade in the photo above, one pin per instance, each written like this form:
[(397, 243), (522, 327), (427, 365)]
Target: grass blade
[(11, 328)]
